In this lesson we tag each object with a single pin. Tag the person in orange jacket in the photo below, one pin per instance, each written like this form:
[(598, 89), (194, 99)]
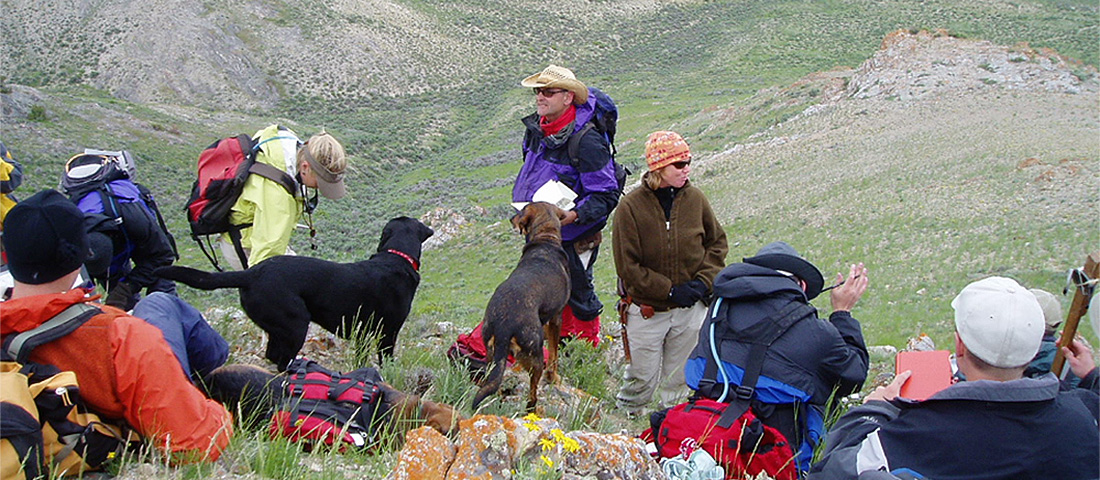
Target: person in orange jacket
[(127, 371)]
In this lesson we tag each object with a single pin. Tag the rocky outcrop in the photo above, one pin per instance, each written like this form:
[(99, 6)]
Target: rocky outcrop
[(491, 447), (915, 65)]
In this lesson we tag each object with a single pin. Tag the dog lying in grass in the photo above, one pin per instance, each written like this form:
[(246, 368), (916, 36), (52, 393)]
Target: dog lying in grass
[(525, 310), (283, 294), (254, 394)]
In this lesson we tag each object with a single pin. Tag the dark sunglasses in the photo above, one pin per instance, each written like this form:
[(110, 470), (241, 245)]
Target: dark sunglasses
[(548, 92), (681, 165)]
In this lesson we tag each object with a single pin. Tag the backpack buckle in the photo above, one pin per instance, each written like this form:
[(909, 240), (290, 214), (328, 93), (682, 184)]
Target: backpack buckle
[(743, 392)]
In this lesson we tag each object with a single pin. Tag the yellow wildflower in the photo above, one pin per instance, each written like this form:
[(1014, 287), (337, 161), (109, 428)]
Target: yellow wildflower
[(546, 444), (571, 445)]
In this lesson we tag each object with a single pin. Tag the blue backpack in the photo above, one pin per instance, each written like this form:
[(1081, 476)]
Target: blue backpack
[(605, 121), (98, 181)]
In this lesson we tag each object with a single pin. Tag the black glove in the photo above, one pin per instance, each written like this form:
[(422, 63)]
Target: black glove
[(121, 296), (687, 293)]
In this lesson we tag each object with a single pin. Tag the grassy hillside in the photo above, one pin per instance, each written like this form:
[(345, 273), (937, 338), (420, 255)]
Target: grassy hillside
[(693, 66), (930, 192)]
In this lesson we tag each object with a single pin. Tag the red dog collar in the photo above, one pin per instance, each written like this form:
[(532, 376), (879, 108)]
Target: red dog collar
[(412, 261)]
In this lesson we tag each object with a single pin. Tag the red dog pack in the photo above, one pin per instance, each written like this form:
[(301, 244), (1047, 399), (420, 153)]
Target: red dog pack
[(745, 448), (328, 407)]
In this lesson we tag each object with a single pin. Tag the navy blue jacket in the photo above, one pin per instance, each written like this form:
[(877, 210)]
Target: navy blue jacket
[(982, 430), (804, 366), (815, 356)]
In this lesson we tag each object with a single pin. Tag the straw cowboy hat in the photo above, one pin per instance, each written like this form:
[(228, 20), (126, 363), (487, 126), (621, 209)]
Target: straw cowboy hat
[(558, 77)]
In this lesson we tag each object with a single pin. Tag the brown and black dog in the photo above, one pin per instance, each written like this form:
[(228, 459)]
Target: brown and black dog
[(253, 394), (526, 308)]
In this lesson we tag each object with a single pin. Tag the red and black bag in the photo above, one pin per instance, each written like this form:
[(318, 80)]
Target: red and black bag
[(323, 406), (223, 168), (744, 447)]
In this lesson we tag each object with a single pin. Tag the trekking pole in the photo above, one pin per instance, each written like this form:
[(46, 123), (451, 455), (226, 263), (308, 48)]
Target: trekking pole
[(621, 307), (1084, 281)]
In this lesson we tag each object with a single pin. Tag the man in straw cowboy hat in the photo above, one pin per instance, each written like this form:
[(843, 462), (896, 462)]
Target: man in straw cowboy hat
[(997, 424), (810, 362), (563, 107)]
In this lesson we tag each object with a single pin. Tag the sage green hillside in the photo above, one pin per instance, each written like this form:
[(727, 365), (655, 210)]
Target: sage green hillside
[(967, 147)]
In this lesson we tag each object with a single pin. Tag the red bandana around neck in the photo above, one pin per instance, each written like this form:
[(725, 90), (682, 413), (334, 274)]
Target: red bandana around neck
[(550, 128)]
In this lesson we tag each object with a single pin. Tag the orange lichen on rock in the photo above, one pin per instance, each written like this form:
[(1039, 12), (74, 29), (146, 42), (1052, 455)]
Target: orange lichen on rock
[(427, 456)]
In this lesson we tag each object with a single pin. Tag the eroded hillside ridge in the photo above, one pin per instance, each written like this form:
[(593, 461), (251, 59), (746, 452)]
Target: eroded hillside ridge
[(919, 65), (255, 54), (916, 65)]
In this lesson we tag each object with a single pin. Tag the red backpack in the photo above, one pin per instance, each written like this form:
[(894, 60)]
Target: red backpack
[(745, 447), (223, 168), (323, 406)]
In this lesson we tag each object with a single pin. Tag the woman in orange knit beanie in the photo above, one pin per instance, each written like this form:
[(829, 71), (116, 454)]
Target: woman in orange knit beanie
[(668, 247)]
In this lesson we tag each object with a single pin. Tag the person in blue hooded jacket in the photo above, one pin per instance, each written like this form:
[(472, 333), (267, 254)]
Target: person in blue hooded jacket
[(563, 107), (813, 361)]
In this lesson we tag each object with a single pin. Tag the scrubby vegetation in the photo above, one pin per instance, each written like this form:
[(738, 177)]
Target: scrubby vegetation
[(931, 193)]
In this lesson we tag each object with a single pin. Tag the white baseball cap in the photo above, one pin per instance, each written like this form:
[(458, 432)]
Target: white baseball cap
[(1052, 308), (999, 321)]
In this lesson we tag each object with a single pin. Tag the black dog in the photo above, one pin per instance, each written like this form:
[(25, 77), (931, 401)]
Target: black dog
[(283, 294), (526, 308), (253, 394)]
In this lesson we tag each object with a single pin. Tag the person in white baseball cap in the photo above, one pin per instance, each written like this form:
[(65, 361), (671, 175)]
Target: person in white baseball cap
[(998, 325), (1027, 422)]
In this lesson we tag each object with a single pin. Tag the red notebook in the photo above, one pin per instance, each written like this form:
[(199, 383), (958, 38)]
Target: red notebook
[(931, 372)]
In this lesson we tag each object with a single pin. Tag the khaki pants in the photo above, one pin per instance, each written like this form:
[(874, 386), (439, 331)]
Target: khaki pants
[(659, 348), (230, 254)]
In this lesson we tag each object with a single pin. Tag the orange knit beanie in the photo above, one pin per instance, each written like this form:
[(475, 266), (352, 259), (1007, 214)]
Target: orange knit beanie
[(663, 148)]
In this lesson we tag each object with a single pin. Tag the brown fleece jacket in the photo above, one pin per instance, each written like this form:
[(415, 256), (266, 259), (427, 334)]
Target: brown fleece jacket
[(652, 255)]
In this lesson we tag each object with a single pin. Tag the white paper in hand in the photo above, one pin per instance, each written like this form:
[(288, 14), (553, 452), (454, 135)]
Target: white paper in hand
[(553, 192)]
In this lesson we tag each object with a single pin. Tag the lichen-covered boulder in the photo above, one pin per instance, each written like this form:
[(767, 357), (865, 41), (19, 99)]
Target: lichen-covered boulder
[(427, 455)]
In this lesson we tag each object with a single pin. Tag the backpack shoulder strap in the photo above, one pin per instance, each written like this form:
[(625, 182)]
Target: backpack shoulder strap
[(573, 145), (764, 333), (147, 197), (274, 174), (19, 346), (107, 202)]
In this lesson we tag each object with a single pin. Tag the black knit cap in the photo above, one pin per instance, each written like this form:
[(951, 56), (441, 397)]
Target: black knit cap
[(44, 238)]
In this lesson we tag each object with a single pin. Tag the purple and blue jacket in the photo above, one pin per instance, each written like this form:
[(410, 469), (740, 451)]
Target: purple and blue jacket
[(593, 178)]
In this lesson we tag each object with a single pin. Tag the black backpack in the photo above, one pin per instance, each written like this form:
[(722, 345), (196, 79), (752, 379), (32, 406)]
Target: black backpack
[(604, 121), (323, 406), (93, 171)]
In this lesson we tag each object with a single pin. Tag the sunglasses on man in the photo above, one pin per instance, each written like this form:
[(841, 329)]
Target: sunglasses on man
[(548, 92), (681, 165)]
